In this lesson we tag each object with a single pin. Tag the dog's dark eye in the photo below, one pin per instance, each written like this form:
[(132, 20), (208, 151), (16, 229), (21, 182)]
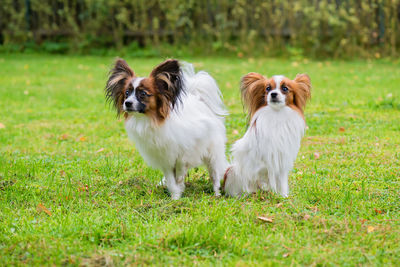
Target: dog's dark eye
[(127, 93), (143, 94), (268, 88), (285, 89)]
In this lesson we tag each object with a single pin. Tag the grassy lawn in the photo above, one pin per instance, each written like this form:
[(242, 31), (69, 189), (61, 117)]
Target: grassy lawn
[(73, 190)]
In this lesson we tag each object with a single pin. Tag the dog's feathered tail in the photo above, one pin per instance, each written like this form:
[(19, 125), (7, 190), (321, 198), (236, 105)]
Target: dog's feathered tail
[(204, 86)]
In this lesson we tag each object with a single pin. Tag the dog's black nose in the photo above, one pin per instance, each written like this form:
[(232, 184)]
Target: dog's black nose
[(128, 104), (274, 95)]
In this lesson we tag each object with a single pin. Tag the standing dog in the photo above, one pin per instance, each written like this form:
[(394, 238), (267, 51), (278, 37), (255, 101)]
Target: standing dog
[(175, 117), (265, 155)]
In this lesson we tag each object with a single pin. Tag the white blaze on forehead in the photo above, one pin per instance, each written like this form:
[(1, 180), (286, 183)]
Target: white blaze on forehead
[(136, 82), (279, 100), (278, 79)]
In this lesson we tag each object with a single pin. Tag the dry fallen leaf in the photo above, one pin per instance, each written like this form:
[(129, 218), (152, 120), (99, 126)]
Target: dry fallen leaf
[(41, 207), (2, 126), (265, 219), (378, 211), (370, 229), (342, 129), (316, 155)]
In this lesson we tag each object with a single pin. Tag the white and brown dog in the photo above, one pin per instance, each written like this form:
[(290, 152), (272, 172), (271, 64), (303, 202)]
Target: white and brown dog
[(264, 156), (175, 117)]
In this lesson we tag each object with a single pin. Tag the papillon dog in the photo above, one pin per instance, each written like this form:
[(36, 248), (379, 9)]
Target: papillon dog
[(175, 117), (264, 156)]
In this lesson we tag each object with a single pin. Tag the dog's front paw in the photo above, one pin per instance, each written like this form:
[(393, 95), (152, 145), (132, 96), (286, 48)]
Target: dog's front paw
[(217, 193), (175, 196)]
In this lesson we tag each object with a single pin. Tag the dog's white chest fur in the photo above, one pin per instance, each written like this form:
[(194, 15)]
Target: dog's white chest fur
[(278, 134), (266, 153), (182, 137)]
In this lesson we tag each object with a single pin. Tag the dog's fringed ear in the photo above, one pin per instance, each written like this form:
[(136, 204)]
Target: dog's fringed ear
[(302, 92), (119, 78), (168, 81), (252, 87)]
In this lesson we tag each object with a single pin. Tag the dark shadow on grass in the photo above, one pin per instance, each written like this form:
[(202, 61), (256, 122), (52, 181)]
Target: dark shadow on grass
[(140, 186), (4, 184), (197, 184)]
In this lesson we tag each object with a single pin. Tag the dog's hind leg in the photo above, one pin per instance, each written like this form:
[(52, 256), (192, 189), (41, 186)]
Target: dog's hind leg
[(217, 165)]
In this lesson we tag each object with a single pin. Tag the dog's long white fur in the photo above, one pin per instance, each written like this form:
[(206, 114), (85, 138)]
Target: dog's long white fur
[(265, 155), (193, 134)]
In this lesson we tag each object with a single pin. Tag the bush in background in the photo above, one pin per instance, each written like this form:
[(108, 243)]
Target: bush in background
[(316, 28)]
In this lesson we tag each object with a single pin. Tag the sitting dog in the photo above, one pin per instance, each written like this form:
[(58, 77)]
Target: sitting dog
[(265, 155)]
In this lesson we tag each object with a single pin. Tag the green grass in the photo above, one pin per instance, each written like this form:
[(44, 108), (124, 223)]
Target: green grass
[(62, 148)]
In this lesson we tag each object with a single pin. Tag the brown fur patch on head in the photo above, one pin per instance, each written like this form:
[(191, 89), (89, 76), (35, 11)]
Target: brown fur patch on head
[(118, 82), (252, 87), (302, 90), (168, 88), (151, 100), (299, 92)]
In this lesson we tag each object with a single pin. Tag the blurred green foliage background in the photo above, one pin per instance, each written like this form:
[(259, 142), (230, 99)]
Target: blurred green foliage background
[(298, 28)]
